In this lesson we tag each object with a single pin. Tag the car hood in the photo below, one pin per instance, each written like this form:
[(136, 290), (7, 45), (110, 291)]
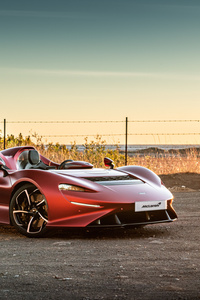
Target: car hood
[(86, 173), (116, 186)]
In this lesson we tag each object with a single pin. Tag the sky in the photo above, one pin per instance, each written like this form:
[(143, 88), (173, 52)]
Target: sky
[(101, 60)]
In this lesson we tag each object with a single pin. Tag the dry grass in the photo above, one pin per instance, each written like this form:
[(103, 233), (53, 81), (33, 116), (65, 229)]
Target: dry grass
[(170, 164), (165, 164), (95, 151)]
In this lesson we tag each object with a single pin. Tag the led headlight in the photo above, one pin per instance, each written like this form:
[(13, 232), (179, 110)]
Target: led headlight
[(69, 187)]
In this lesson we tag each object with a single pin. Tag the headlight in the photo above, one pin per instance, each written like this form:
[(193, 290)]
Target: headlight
[(69, 187)]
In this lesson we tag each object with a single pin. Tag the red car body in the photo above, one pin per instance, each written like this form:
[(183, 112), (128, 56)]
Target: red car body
[(38, 195)]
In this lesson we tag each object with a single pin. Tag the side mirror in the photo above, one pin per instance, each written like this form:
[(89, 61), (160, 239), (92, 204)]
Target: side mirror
[(3, 168), (109, 163)]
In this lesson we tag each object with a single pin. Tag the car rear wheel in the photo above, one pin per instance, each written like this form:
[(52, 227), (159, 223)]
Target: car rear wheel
[(29, 211)]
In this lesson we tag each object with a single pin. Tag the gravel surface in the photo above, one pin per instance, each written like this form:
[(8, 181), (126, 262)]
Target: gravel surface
[(154, 262), (182, 181)]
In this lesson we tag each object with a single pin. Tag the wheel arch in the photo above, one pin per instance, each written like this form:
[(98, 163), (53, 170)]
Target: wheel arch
[(18, 186), (142, 173)]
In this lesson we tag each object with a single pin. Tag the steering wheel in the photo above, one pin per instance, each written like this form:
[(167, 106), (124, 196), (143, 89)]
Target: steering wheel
[(61, 166)]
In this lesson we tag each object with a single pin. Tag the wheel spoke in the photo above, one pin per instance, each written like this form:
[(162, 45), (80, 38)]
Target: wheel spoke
[(33, 191), (41, 203), (43, 218), (19, 217), (28, 197), (21, 211), (31, 224)]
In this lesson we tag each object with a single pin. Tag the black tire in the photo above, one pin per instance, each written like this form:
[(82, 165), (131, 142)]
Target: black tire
[(29, 211)]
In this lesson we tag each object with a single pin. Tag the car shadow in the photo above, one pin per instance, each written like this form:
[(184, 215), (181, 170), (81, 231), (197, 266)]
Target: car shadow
[(149, 231), (158, 231)]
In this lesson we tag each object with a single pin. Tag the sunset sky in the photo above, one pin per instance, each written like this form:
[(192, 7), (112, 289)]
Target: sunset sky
[(101, 60)]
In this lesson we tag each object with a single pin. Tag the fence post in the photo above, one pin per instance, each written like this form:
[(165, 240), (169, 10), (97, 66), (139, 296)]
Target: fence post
[(126, 142), (4, 134)]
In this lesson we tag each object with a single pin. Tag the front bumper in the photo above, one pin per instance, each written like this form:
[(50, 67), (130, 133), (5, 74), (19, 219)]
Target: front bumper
[(127, 217)]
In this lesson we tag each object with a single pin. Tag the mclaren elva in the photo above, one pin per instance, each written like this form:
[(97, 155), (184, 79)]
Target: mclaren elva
[(37, 194)]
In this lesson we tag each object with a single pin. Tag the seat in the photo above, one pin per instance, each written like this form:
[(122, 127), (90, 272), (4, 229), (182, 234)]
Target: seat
[(33, 159)]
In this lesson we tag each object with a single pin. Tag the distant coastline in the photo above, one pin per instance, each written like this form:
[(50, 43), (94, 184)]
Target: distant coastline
[(150, 149)]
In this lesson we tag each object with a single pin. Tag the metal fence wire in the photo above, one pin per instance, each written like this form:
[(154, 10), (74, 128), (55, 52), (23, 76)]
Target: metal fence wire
[(125, 126)]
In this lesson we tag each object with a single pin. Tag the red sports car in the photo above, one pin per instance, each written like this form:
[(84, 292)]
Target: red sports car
[(37, 194)]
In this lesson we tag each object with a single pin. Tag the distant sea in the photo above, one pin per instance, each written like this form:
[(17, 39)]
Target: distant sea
[(151, 150), (135, 148)]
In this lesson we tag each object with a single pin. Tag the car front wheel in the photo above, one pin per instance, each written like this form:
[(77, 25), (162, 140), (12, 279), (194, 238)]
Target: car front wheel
[(29, 211)]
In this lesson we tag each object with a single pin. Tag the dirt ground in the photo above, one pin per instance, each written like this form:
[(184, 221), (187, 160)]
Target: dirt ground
[(182, 181), (154, 262)]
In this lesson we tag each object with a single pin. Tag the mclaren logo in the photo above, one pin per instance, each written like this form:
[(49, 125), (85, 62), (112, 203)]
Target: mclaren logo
[(151, 205)]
